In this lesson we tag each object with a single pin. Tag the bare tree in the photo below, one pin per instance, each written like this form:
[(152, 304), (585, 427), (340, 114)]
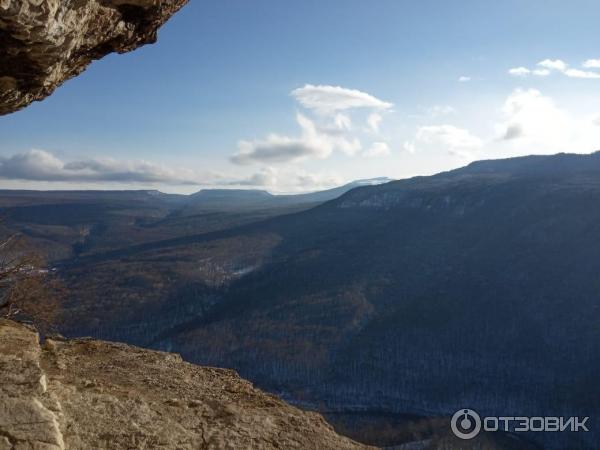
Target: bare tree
[(28, 291)]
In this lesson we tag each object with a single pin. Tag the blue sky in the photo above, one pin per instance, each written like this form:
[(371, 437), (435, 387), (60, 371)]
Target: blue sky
[(296, 96)]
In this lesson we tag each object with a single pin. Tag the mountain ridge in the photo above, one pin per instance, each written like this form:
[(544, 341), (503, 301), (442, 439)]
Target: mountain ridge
[(398, 278)]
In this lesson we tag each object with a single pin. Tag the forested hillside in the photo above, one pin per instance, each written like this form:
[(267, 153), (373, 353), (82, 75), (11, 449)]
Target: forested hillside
[(476, 287)]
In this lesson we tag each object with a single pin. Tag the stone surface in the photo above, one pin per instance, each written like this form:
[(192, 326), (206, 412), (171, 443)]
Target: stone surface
[(25, 421), (45, 42), (85, 394)]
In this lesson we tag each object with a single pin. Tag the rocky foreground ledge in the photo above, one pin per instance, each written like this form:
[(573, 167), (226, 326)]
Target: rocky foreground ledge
[(86, 394), (45, 42)]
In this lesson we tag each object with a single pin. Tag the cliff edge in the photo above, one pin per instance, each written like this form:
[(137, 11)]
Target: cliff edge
[(87, 394)]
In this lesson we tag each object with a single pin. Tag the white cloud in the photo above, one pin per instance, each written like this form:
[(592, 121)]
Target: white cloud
[(448, 134), (266, 177), (553, 64), (40, 165), (313, 142), (558, 65), (519, 71), (377, 149), (541, 72), (576, 73), (591, 64), (326, 99), (464, 79), (349, 146), (276, 148), (374, 120), (546, 67), (524, 72), (409, 146), (326, 126), (534, 123), (343, 122), (288, 179), (529, 113), (448, 138)]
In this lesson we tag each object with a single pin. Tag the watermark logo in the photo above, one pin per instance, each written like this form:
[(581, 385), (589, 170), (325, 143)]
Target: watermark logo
[(467, 424)]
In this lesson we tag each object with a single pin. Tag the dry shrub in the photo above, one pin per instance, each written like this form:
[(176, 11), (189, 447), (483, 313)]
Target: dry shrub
[(28, 290)]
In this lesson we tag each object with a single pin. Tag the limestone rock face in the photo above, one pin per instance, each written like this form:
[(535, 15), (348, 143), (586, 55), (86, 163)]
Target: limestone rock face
[(45, 42), (84, 394)]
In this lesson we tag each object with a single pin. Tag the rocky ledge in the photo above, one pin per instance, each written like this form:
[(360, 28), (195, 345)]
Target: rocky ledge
[(86, 394), (45, 42)]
